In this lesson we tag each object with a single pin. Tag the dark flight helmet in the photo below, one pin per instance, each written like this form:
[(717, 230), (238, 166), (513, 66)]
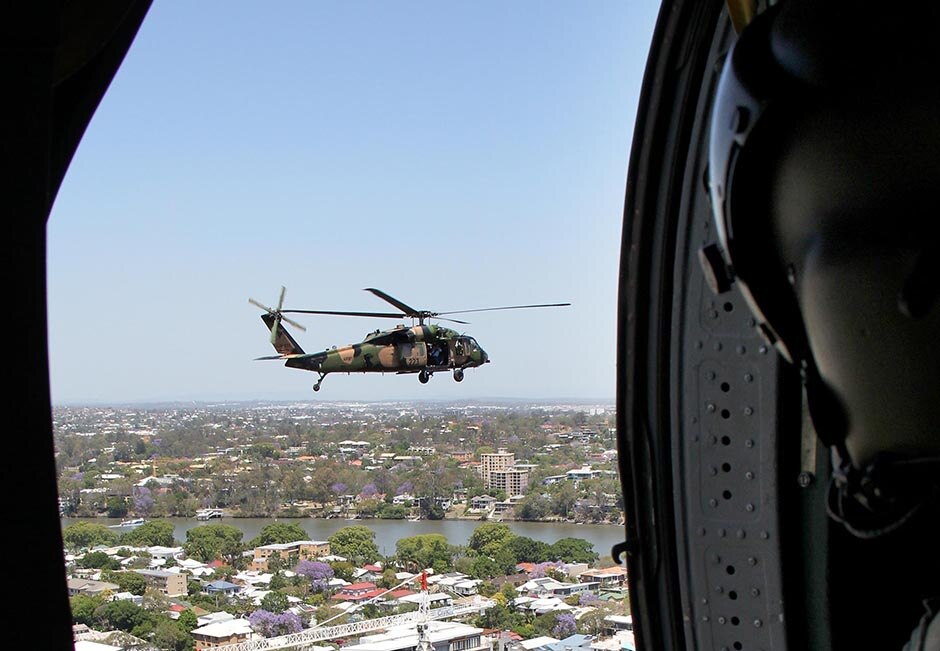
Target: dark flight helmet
[(824, 178)]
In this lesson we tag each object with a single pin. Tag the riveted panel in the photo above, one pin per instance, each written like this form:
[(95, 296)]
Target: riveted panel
[(725, 383)]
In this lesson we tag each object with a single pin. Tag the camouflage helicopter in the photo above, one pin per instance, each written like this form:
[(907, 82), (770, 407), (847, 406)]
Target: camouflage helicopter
[(422, 348)]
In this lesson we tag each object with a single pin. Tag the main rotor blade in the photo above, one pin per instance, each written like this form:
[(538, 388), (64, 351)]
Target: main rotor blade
[(382, 315), (261, 305), (508, 307), (440, 318), (280, 301), (407, 309)]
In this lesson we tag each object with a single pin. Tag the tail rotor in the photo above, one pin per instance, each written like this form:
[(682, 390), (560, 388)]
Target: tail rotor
[(277, 314)]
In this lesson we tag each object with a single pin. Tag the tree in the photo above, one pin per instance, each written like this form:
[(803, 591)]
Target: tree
[(279, 533), (131, 582), (275, 602), (527, 550), (356, 543), (484, 567), (430, 550), (117, 507), (533, 507), (171, 635), (488, 538), (123, 615), (212, 541), (318, 573), (84, 609), (84, 535), (149, 534), (574, 550), (270, 624), (188, 620), (99, 560), (565, 625)]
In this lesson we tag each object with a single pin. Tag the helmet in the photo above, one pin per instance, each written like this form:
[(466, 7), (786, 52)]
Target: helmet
[(824, 159)]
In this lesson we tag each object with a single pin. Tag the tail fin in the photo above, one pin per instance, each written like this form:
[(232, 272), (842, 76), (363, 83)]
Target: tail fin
[(283, 342)]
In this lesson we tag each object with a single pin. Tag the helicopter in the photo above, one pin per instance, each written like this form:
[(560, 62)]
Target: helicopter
[(422, 348)]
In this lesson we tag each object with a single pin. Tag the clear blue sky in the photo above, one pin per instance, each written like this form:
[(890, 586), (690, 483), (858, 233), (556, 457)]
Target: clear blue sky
[(455, 155)]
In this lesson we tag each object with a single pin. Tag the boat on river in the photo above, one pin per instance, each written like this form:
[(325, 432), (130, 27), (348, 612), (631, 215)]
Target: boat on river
[(208, 514), (128, 524)]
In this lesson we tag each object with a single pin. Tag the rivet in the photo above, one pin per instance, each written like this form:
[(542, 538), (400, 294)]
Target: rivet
[(702, 531), (699, 345), (755, 592), (749, 475), (762, 350), (741, 534), (751, 560), (705, 618), (748, 377), (721, 533), (721, 620), (719, 590), (713, 502), (694, 420), (749, 443), (749, 508), (718, 345), (764, 535), (805, 479), (713, 314), (752, 322), (714, 440), (716, 559), (704, 601), (748, 411), (711, 375), (713, 471), (741, 350), (710, 408), (758, 623)]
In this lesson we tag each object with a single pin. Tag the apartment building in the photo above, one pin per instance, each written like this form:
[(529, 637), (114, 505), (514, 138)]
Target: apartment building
[(170, 584), (494, 462), (514, 481), (302, 549)]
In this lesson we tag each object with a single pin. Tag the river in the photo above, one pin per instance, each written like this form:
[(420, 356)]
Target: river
[(387, 532)]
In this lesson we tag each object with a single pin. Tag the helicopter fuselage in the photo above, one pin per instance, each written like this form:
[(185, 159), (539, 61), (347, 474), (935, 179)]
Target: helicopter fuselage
[(400, 350)]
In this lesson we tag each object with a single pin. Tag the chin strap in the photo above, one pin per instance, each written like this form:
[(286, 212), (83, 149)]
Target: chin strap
[(879, 498)]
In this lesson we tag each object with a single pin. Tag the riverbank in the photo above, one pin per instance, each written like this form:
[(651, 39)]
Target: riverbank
[(388, 532)]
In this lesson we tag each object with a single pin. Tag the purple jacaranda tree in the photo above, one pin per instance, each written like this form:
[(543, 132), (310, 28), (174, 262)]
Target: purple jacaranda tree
[(565, 625), (339, 488), (588, 599), (317, 572), (269, 624), (542, 569), (369, 490), (405, 489), (143, 500)]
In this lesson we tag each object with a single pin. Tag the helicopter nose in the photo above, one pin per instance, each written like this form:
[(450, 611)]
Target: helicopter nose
[(486, 358)]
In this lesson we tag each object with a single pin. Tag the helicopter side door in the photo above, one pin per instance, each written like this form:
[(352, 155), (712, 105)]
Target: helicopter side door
[(460, 351), (413, 355)]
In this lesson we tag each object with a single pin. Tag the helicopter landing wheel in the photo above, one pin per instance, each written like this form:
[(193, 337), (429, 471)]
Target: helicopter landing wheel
[(423, 377), (316, 387), (458, 375)]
